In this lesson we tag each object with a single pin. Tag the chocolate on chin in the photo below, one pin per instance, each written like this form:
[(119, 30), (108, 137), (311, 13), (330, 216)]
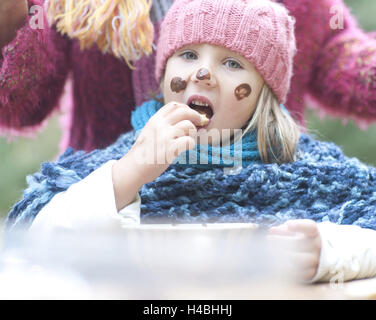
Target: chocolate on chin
[(178, 84)]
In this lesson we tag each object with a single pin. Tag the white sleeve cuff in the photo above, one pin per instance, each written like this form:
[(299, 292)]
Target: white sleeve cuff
[(87, 204), (347, 252), (130, 214)]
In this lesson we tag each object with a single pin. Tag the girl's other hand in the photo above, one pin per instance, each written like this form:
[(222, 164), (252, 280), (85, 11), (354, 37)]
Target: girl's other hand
[(13, 14), (304, 245)]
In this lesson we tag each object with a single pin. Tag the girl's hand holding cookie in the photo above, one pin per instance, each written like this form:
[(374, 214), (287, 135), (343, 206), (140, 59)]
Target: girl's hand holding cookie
[(303, 237), (168, 132)]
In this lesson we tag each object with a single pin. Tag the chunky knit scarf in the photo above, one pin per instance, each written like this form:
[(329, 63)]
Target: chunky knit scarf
[(323, 185)]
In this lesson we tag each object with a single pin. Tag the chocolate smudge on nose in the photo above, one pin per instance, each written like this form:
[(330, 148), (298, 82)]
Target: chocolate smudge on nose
[(178, 84), (203, 74), (242, 91)]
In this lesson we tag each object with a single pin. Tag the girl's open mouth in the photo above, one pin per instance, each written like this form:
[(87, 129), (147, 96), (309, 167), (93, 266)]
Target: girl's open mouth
[(202, 105)]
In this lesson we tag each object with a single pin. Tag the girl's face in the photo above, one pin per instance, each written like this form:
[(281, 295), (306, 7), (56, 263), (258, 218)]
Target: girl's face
[(214, 81)]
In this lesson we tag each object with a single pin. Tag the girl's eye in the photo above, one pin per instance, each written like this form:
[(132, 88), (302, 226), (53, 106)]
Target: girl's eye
[(189, 55), (233, 64)]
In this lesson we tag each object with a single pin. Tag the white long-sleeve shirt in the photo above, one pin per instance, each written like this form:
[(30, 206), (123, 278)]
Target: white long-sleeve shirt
[(347, 252), (88, 203)]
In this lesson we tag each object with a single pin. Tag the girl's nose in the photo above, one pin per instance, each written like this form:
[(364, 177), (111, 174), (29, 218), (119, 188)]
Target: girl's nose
[(203, 74), (204, 77)]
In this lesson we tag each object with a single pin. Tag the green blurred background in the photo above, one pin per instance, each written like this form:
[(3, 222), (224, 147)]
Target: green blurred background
[(24, 155)]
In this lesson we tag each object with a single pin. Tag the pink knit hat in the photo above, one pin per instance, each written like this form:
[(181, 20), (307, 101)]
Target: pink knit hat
[(260, 30)]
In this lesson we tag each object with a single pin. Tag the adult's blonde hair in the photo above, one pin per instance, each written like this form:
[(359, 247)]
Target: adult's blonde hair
[(119, 27), (277, 132)]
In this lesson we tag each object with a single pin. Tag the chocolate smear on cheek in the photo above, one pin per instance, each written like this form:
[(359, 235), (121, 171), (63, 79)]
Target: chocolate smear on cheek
[(242, 91), (178, 84)]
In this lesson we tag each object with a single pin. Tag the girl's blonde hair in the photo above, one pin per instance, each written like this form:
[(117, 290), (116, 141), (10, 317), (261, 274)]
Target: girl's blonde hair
[(277, 133)]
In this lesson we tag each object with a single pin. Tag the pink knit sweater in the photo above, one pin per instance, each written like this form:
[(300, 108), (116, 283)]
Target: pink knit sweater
[(334, 68)]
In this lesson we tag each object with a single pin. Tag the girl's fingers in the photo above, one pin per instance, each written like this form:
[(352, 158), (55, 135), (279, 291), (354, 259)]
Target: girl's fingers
[(280, 230), (169, 107), (301, 242), (305, 265), (175, 112), (183, 112), (309, 273), (295, 242), (304, 260), (184, 128), (185, 143), (284, 242), (305, 274), (178, 146), (308, 227)]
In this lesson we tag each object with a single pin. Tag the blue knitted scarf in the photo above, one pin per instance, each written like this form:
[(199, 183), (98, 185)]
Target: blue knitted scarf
[(323, 185)]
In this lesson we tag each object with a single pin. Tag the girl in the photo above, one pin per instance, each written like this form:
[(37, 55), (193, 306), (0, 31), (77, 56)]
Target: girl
[(34, 66), (218, 78)]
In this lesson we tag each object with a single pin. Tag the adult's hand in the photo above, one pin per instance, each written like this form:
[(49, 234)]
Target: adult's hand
[(12, 15)]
